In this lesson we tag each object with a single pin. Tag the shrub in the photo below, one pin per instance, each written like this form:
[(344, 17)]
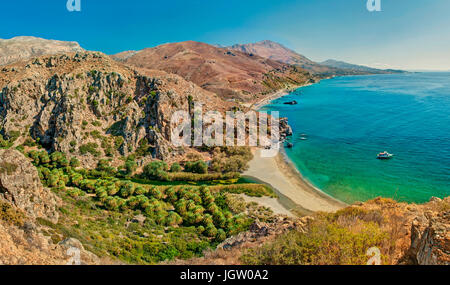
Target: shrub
[(231, 159), (75, 192), (74, 162), (11, 215), (75, 179), (155, 193), (89, 148), (118, 142), (7, 167), (143, 149), (156, 170), (198, 166), (126, 189), (252, 190), (139, 190), (104, 166), (173, 219), (323, 244), (211, 230), (58, 159), (44, 159), (29, 142), (221, 235), (195, 177), (130, 167), (175, 167)]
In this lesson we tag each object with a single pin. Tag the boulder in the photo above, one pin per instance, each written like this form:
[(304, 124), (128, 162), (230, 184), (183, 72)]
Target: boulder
[(20, 186), (71, 242), (430, 239)]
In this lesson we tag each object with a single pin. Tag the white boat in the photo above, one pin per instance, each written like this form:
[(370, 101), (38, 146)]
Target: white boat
[(385, 155)]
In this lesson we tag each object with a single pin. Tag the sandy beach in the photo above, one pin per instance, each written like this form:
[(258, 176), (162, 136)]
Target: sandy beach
[(295, 193), (281, 93)]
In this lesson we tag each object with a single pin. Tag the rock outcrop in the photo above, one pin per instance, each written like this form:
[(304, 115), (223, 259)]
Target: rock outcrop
[(23, 242), (430, 239), (23, 48), (22, 246), (285, 129), (260, 232), (22, 200), (20, 185)]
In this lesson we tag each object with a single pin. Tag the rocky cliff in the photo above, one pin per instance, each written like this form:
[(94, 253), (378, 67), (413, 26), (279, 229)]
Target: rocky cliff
[(23, 200), (20, 186), (91, 106), (430, 238)]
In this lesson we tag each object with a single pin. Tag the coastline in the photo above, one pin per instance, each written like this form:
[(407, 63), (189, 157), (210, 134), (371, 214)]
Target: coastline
[(280, 93), (296, 193)]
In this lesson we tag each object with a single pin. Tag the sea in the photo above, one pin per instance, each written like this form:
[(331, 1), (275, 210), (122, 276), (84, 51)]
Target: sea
[(341, 124)]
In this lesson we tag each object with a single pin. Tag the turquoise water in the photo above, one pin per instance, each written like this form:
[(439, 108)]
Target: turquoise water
[(349, 120)]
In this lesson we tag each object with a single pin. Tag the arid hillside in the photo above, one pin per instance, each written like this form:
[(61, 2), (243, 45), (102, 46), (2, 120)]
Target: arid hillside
[(229, 74)]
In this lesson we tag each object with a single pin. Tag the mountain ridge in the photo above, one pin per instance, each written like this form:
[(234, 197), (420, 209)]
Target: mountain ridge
[(356, 67)]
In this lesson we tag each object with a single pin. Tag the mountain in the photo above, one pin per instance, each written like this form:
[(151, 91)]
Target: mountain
[(93, 107), (275, 51), (230, 74), (357, 68), (22, 48)]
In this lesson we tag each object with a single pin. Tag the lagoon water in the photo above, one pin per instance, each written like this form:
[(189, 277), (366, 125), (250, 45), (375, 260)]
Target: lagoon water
[(348, 120)]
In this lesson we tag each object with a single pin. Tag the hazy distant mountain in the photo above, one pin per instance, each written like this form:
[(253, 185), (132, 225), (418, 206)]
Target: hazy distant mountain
[(22, 48), (357, 68), (275, 51)]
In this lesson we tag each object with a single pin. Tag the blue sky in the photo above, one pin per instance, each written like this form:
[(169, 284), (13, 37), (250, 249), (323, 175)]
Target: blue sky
[(409, 34)]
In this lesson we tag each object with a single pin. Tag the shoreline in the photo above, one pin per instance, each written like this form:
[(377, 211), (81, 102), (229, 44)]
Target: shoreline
[(280, 93), (295, 192)]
